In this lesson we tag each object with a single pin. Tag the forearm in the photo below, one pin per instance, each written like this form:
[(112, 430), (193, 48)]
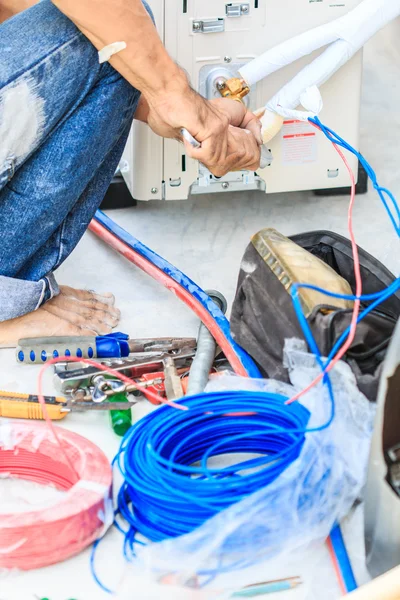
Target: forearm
[(168, 103), (144, 63), (9, 8)]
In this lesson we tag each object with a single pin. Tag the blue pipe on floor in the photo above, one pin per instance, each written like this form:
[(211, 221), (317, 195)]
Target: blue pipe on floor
[(189, 285)]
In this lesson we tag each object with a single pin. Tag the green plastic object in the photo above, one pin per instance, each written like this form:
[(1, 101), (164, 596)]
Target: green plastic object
[(121, 420)]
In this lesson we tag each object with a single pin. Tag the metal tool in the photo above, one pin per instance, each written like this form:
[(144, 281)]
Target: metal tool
[(234, 89), (102, 383), (189, 138), (157, 364), (173, 382), (205, 354), (114, 345), (85, 379)]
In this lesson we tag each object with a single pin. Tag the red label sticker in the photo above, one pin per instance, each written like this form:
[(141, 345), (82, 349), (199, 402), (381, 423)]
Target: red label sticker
[(299, 143)]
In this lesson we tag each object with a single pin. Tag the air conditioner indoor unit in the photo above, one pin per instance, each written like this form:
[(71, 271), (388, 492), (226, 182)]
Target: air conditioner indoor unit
[(211, 40)]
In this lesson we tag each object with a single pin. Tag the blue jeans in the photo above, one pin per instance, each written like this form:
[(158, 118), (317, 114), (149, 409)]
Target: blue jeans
[(64, 121)]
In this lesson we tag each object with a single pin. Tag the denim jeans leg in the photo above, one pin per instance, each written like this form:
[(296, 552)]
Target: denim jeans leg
[(52, 183)]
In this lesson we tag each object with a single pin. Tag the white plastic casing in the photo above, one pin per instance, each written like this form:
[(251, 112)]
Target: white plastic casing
[(302, 160)]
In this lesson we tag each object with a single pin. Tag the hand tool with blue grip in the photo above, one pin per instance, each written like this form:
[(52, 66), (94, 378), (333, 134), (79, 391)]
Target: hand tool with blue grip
[(113, 345), (39, 350)]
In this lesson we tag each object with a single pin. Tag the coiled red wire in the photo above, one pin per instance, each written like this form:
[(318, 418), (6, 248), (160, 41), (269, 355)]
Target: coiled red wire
[(41, 537)]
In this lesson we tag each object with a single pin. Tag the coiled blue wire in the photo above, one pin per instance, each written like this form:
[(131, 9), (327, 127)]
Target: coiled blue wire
[(165, 496)]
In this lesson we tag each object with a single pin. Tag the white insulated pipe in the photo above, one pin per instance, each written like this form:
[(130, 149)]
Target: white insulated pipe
[(346, 36)]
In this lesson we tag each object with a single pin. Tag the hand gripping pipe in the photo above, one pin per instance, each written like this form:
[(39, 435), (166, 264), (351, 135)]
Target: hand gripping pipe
[(344, 37), (215, 321)]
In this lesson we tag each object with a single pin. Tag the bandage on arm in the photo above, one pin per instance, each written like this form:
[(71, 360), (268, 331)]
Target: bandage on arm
[(144, 62)]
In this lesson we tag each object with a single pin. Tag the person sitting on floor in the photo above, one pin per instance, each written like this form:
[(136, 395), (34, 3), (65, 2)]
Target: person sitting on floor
[(64, 122)]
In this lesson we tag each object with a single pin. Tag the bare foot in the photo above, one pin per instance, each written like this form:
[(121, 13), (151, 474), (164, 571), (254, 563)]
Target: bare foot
[(72, 312)]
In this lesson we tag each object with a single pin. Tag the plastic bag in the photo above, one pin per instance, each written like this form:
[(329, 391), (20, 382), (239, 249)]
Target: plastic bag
[(297, 509)]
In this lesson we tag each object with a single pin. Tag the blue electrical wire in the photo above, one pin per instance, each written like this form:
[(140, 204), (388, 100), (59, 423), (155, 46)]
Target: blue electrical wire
[(189, 285), (93, 570), (334, 137), (378, 298), (342, 558), (165, 496)]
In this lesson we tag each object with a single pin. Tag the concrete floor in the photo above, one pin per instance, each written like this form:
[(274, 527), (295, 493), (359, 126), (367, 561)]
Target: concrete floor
[(206, 237)]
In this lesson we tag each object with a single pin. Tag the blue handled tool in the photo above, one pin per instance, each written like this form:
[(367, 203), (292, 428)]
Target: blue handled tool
[(113, 345), (39, 350)]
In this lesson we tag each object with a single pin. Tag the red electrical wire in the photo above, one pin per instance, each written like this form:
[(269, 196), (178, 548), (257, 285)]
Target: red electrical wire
[(359, 285), (53, 456), (145, 391), (336, 566), (44, 536)]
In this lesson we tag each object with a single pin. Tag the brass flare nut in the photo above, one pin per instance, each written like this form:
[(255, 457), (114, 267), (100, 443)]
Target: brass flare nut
[(235, 89)]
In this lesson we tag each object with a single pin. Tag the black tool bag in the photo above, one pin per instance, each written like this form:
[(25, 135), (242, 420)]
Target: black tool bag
[(263, 315)]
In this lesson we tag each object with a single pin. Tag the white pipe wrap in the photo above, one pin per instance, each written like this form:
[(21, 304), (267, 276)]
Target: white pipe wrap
[(348, 34)]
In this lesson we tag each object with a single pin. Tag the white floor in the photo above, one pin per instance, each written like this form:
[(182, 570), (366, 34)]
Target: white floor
[(206, 237)]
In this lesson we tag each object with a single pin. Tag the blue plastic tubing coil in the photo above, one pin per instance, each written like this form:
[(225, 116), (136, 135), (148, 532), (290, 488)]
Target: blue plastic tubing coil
[(164, 496)]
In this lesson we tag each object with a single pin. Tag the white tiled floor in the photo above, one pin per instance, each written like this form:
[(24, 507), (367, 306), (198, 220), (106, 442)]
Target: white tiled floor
[(206, 237)]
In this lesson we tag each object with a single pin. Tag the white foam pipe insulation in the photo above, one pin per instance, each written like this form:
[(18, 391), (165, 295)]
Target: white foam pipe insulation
[(344, 36)]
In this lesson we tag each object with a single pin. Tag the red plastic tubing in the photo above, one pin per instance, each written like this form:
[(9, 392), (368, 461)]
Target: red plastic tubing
[(179, 291)]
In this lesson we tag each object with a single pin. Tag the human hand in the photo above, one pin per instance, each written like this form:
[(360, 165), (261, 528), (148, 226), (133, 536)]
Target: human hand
[(229, 134)]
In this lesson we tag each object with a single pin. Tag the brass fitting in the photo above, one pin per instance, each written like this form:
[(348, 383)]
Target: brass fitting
[(235, 89)]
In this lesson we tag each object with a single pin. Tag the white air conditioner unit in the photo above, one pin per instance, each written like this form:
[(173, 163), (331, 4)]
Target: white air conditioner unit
[(211, 39)]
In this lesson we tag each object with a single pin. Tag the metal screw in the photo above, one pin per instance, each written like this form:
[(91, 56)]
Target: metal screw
[(245, 8), (225, 185), (154, 190), (228, 59), (220, 84), (196, 25)]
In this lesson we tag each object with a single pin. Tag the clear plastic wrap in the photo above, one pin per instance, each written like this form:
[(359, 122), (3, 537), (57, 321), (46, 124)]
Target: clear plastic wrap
[(295, 511)]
